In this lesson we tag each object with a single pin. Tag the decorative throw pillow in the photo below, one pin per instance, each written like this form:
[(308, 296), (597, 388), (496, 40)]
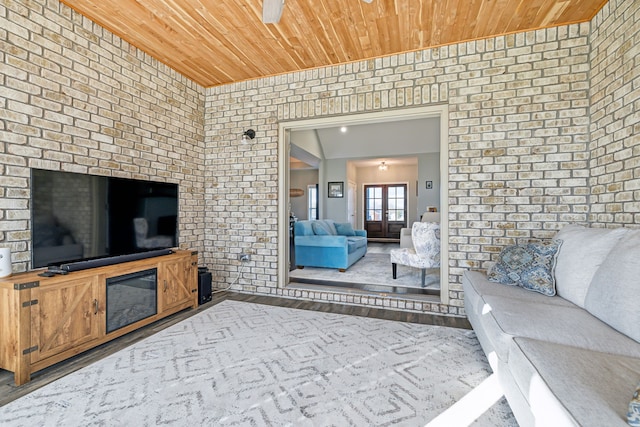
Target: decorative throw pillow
[(633, 416), (323, 228), (319, 229), (345, 229), (530, 266)]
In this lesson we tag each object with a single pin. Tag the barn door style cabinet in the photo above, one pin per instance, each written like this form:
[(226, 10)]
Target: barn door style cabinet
[(44, 320)]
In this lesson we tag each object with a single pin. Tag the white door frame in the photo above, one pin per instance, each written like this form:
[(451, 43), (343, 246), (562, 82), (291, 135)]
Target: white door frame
[(352, 203), (441, 111)]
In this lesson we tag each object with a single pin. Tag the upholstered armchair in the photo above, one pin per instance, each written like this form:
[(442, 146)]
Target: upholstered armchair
[(149, 242), (405, 233), (425, 253)]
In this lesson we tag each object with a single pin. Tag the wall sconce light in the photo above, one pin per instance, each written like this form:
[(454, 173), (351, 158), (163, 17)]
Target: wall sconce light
[(247, 136), (383, 166)]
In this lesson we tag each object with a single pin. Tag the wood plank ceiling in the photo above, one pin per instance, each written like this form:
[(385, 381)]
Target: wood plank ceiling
[(215, 42)]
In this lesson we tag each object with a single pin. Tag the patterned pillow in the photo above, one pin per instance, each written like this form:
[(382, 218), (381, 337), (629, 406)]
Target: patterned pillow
[(633, 416), (530, 266)]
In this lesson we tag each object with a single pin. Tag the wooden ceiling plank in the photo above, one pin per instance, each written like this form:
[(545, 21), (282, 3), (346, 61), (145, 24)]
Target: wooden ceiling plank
[(504, 13), (394, 29), (344, 27), (467, 23), (485, 18), (330, 44), (350, 26), (368, 34), (242, 59), (315, 37), (192, 21), (214, 42), (426, 22), (580, 11), (450, 18), (554, 12), (527, 14)]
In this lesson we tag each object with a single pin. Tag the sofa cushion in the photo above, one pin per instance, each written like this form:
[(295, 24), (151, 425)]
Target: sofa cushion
[(358, 241), (582, 252), (592, 387), (614, 292), (355, 243), (506, 318), (529, 266), (324, 228), (344, 229), (476, 286)]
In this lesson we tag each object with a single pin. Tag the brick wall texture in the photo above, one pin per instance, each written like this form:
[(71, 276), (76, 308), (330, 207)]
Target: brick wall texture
[(76, 98), (543, 131), (614, 150)]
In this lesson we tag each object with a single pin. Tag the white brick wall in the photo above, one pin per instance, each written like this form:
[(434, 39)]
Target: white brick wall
[(615, 120)]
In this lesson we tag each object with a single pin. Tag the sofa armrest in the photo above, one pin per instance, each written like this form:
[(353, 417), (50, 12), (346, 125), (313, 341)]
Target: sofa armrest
[(324, 241), (362, 233)]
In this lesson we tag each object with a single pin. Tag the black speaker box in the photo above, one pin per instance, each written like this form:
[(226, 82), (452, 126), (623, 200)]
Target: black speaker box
[(204, 286)]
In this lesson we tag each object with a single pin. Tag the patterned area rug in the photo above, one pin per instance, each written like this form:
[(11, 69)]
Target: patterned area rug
[(245, 364), (373, 269)]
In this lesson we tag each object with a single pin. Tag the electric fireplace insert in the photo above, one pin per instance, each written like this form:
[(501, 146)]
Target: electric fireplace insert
[(131, 298)]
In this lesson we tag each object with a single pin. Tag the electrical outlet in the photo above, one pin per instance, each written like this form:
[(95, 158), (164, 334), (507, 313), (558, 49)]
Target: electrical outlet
[(244, 257)]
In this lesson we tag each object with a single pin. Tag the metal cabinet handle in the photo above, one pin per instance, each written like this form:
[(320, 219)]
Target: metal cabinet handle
[(95, 306), (165, 286)]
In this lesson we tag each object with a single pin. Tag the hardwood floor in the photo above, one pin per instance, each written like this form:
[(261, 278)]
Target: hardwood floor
[(9, 391)]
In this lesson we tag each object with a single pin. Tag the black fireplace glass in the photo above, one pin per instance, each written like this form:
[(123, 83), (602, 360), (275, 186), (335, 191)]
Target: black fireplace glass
[(131, 298)]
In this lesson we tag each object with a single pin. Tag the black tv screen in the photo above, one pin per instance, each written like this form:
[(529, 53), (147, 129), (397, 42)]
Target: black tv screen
[(76, 217)]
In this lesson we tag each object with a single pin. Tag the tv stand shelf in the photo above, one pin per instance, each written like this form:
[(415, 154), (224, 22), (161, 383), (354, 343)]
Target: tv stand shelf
[(44, 320)]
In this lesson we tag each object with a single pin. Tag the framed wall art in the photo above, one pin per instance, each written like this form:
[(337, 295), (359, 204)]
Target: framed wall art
[(336, 189)]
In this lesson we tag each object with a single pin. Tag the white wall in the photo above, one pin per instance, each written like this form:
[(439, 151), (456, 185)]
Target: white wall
[(302, 179), (428, 170), (341, 170), (335, 170)]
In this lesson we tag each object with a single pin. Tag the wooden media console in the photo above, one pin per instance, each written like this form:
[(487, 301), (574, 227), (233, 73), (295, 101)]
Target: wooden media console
[(44, 320)]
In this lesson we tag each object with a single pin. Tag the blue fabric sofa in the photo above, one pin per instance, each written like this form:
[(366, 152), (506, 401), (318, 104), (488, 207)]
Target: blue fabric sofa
[(328, 244)]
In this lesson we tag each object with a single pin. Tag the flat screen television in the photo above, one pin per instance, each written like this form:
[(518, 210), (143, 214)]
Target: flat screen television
[(79, 217)]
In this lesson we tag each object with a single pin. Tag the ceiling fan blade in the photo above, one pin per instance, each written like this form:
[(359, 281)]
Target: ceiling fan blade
[(272, 11)]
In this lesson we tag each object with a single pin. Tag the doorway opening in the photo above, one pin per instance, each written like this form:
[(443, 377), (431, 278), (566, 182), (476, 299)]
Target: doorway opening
[(351, 208)]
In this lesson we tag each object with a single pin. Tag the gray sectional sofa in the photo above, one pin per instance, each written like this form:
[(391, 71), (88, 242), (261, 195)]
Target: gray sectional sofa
[(572, 359)]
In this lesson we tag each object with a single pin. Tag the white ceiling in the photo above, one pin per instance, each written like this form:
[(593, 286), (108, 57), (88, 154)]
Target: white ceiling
[(397, 138), (395, 142), (389, 161)]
